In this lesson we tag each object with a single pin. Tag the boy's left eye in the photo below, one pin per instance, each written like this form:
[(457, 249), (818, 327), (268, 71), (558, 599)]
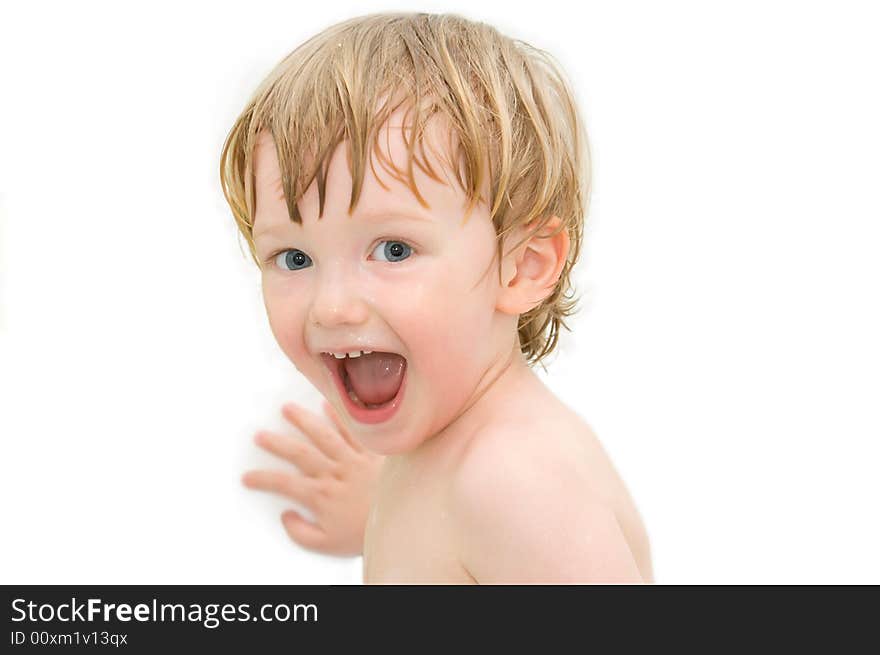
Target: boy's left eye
[(395, 250)]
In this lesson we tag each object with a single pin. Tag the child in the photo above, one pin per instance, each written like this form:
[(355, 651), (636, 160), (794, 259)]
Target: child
[(418, 301)]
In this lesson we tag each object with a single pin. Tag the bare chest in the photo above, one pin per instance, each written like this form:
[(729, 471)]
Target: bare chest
[(409, 538)]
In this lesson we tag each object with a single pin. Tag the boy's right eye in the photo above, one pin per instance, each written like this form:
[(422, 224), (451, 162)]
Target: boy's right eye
[(291, 260)]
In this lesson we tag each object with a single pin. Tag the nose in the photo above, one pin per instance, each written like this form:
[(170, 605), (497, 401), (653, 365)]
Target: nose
[(337, 300)]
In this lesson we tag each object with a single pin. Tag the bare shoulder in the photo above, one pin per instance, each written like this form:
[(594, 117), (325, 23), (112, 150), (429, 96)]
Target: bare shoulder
[(522, 455), (507, 451), (555, 448), (527, 508)]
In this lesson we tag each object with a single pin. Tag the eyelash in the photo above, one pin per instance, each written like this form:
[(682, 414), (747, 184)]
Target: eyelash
[(271, 258)]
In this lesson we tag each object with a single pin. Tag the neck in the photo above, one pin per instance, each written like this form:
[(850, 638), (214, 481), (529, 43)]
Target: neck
[(504, 381)]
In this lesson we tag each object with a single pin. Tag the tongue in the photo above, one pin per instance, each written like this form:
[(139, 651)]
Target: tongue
[(376, 377)]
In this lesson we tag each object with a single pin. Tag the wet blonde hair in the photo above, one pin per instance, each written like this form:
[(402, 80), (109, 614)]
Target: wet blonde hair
[(514, 127)]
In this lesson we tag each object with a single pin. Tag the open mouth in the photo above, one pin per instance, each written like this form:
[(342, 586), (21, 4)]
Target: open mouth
[(381, 379)]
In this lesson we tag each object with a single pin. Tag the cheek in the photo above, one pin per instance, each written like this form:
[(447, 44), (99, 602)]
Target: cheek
[(286, 318), (447, 319)]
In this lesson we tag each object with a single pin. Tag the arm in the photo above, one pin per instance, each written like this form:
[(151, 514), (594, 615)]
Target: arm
[(527, 519)]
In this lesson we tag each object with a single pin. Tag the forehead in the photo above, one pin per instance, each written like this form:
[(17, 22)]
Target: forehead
[(378, 194)]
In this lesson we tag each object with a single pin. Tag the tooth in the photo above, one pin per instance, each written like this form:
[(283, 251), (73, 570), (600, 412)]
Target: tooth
[(342, 356), (356, 353), (366, 352)]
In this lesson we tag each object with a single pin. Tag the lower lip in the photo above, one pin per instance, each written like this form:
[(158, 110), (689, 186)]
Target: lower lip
[(362, 414)]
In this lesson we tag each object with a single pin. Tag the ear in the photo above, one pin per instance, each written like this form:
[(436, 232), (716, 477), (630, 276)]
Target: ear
[(529, 273)]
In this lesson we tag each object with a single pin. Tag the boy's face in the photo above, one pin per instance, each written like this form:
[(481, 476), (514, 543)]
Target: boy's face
[(430, 302)]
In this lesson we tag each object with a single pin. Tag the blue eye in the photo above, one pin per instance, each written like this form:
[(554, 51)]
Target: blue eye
[(396, 251), (292, 259), (295, 259)]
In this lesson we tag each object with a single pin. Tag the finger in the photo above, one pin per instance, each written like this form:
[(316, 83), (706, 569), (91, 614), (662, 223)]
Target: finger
[(301, 531), (303, 455), (331, 412), (280, 482), (328, 440)]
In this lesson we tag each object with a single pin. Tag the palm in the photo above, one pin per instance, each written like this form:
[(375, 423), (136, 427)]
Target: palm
[(335, 480)]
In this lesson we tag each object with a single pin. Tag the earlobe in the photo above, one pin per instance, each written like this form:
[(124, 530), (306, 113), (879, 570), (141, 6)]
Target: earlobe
[(531, 271)]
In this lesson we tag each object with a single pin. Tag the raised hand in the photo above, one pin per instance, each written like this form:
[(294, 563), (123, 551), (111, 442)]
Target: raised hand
[(335, 480)]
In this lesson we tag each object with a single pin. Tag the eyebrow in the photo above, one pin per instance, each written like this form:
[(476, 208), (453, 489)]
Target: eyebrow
[(374, 217)]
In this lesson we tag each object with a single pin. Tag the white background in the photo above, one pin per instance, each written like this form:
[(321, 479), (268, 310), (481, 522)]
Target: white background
[(726, 354)]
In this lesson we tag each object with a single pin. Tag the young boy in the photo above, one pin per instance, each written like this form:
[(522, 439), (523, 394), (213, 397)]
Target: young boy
[(418, 301)]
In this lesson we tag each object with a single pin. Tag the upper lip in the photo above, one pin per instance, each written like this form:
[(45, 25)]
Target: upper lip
[(351, 349)]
